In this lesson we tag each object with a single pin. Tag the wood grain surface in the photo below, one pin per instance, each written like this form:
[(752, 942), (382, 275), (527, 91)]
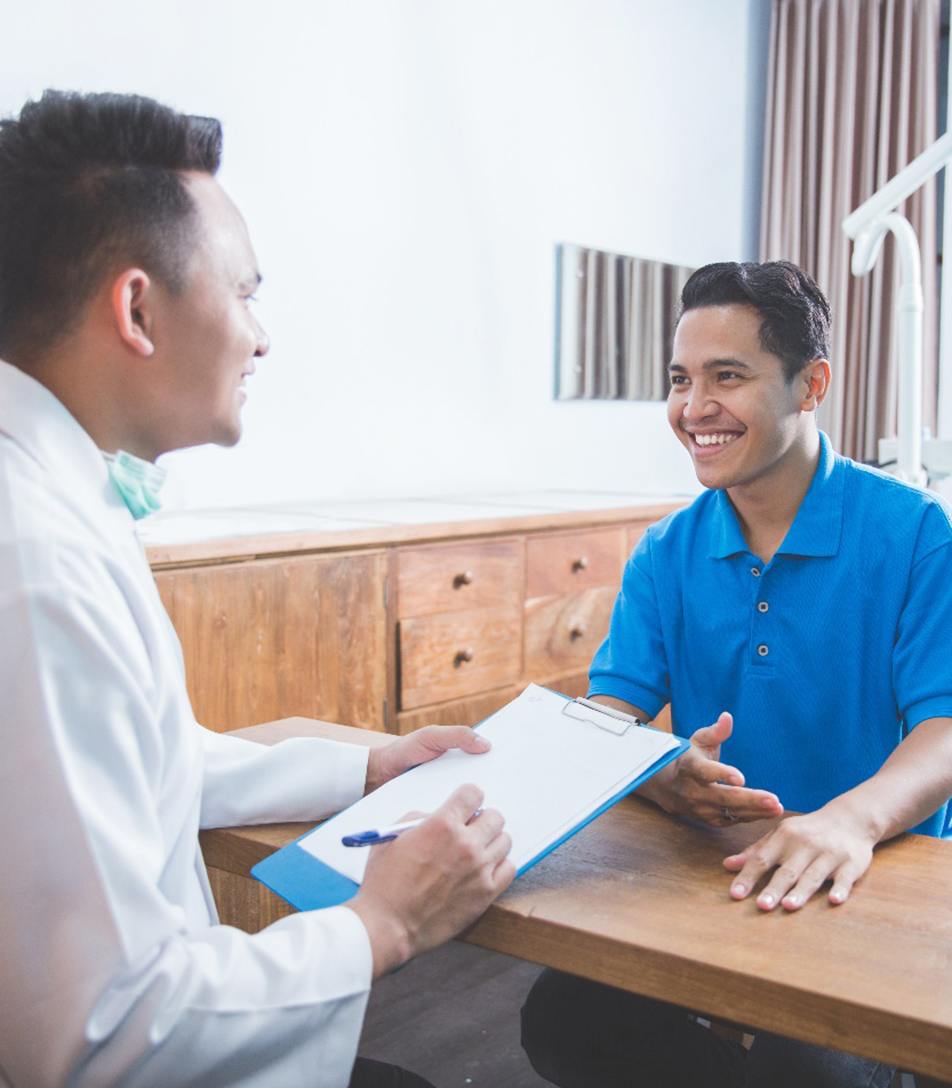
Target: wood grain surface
[(459, 577), (466, 711), (260, 545), (562, 633), (639, 900), (278, 637), (561, 563), (450, 655)]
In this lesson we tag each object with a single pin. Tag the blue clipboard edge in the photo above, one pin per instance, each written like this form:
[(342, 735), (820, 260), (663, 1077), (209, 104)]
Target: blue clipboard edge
[(309, 884), (302, 880), (667, 758)]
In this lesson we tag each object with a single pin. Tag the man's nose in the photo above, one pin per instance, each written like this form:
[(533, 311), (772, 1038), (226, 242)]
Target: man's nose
[(698, 404), (263, 345)]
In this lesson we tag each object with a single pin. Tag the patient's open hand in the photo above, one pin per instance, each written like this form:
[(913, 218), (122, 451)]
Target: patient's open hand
[(698, 786)]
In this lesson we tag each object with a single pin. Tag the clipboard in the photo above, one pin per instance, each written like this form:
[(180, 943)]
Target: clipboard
[(555, 765)]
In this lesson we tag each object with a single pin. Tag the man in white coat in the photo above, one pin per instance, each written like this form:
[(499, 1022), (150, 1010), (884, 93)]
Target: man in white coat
[(125, 332)]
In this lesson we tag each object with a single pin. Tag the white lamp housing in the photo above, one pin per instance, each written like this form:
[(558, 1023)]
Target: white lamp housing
[(868, 227)]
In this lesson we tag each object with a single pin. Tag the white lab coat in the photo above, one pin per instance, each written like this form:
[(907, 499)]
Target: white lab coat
[(113, 969)]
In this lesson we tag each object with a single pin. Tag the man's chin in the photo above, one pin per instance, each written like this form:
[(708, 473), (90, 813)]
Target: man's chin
[(715, 477), (226, 434), (231, 439)]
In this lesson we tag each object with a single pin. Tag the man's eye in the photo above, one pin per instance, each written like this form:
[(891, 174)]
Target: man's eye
[(727, 376), (678, 379)]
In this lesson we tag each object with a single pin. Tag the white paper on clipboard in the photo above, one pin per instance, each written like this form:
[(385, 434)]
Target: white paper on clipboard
[(554, 763)]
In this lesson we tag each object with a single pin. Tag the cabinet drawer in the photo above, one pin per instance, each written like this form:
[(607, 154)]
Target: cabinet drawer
[(460, 653), (456, 578), (569, 562), (470, 710), (563, 633)]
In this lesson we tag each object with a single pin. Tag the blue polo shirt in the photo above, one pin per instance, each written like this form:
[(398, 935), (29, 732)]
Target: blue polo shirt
[(826, 656)]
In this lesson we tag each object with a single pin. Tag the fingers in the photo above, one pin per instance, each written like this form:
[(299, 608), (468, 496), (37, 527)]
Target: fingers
[(498, 849), (420, 747), (719, 805), (814, 875), (487, 826), (709, 770), (462, 803), (503, 875), (798, 863), (754, 862), (785, 887), (711, 737), (437, 739), (843, 880)]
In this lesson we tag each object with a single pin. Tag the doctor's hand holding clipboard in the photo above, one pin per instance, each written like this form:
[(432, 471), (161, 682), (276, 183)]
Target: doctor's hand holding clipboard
[(434, 879)]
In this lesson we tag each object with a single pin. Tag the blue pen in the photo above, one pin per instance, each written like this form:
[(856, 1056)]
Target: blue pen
[(380, 834), (388, 834)]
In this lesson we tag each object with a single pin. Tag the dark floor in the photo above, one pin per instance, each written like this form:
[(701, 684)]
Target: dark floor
[(453, 1017)]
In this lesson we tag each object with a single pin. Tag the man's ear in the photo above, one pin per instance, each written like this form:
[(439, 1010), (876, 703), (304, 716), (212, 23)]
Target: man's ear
[(815, 377), (132, 303)]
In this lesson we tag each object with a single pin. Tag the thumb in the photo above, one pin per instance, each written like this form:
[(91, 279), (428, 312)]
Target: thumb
[(711, 737), (437, 739)]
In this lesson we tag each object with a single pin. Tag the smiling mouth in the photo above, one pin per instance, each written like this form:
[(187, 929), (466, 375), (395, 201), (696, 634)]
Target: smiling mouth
[(714, 438)]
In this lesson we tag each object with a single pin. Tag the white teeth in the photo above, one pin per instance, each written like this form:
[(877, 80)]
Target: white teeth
[(714, 439)]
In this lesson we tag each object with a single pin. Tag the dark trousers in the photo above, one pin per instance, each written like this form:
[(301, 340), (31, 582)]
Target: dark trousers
[(580, 1034), (370, 1074)]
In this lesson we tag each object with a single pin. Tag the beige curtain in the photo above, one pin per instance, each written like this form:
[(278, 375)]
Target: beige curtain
[(616, 324), (852, 96)]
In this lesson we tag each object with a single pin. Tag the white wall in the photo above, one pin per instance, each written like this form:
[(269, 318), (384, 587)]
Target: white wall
[(406, 168)]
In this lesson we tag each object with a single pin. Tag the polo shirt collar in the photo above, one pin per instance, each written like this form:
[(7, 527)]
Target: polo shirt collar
[(816, 529)]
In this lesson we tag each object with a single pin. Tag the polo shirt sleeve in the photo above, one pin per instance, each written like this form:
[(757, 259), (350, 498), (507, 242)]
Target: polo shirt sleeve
[(922, 656), (631, 663)]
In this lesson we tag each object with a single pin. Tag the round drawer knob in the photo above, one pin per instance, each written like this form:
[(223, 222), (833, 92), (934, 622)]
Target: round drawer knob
[(464, 578), (580, 564), (577, 631), (462, 656)]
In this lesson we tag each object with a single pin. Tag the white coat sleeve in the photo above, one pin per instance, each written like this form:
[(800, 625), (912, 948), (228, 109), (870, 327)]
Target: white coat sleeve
[(304, 778), (105, 976)]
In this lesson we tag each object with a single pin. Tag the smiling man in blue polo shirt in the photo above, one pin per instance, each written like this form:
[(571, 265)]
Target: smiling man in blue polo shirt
[(803, 604)]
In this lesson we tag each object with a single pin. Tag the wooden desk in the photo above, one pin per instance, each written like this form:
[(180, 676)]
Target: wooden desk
[(639, 901)]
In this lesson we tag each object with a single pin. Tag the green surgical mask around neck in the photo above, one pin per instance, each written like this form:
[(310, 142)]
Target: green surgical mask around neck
[(138, 482)]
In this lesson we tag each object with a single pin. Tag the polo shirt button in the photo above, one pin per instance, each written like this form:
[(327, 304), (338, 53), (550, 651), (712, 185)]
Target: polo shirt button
[(763, 649), (755, 571), (762, 606)]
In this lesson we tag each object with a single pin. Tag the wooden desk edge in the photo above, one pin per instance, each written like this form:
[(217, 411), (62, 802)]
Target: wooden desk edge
[(720, 992)]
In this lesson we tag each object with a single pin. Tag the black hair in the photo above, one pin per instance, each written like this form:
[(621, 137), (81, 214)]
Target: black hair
[(88, 181), (795, 316)]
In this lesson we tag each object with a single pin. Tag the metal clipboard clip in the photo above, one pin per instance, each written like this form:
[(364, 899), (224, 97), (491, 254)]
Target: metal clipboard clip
[(605, 717)]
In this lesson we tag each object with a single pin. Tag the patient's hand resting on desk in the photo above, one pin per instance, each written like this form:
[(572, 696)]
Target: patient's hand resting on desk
[(698, 786), (803, 852)]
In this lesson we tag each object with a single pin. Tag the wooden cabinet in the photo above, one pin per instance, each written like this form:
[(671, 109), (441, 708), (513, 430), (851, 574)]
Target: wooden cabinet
[(564, 563), (562, 633), (275, 638), (459, 653), (459, 577), (396, 627)]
